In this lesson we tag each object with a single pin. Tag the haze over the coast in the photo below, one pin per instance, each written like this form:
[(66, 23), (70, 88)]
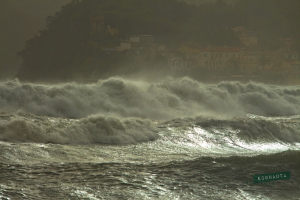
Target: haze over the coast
[(19, 21), (150, 99)]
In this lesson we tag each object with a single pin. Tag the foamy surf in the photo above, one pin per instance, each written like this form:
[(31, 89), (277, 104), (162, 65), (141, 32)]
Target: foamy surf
[(94, 129), (177, 138), (167, 99)]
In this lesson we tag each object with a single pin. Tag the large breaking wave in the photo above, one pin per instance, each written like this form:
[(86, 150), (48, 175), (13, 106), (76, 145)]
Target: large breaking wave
[(167, 99), (252, 132), (94, 129), (120, 111)]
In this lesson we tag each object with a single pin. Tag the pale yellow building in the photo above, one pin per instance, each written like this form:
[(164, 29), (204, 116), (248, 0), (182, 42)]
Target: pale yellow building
[(217, 58)]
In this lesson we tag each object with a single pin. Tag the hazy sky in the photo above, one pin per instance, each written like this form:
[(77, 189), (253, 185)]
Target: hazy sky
[(20, 20)]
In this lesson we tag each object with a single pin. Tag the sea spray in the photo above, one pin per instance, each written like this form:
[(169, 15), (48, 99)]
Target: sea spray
[(94, 129), (167, 99)]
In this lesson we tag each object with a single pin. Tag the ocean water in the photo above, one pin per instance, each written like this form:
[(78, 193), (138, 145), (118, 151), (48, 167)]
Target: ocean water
[(126, 139)]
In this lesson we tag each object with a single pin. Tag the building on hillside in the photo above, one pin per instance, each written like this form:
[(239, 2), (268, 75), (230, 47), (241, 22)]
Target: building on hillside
[(210, 58), (253, 56), (142, 45), (276, 58), (291, 65), (125, 46), (156, 49), (256, 61), (246, 37), (217, 58), (286, 75), (137, 42), (287, 44), (142, 48), (291, 55), (189, 49), (142, 39), (181, 64), (250, 62), (113, 31), (292, 78), (97, 27), (286, 71)]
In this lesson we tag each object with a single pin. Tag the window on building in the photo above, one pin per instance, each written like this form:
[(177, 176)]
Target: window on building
[(220, 62), (205, 55), (220, 55), (206, 62), (226, 55)]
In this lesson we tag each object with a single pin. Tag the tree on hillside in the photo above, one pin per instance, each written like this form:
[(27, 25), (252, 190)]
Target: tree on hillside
[(65, 46)]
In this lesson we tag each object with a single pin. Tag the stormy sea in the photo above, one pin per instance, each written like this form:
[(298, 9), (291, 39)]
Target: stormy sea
[(131, 139)]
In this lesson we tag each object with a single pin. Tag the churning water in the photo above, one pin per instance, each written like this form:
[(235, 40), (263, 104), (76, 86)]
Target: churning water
[(124, 139)]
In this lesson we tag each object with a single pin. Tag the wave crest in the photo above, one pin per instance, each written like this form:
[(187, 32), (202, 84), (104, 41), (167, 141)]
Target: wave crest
[(167, 99), (94, 129)]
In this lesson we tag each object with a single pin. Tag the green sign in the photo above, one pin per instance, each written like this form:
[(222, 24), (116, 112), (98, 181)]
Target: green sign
[(271, 177)]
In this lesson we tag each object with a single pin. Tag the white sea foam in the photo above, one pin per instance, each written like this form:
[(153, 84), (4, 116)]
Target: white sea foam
[(119, 111), (167, 99), (94, 129)]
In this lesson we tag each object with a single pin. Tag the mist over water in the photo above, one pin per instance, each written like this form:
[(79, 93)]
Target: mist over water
[(94, 129), (123, 111), (166, 99), (136, 133), (170, 139)]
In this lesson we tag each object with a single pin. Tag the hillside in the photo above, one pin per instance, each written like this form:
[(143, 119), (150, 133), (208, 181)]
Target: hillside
[(65, 49), (19, 21)]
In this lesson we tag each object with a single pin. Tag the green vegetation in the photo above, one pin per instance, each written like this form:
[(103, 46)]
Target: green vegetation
[(19, 21), (65, 50)]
